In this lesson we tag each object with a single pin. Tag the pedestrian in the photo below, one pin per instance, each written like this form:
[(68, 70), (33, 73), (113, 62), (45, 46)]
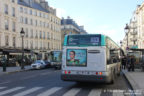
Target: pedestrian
[(128, 62), (133, 60), (124, 59)]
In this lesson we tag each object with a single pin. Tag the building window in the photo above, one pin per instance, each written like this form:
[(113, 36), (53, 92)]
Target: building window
[(30, 12), (14, 42), (6, 25), (43, 24), (47, 35), (6, 9), (21, 19), (13, 26), (13, 11), (31, 45), (40, 34), (40, 23), (13, 1), (43, 35), (26, 32), (35, 13), (25, 10), (31, 22), (36, 22), (21, 9), (36, 35), (6, 41), (31, 33), (26, 21), (40, 14), (48, 46)]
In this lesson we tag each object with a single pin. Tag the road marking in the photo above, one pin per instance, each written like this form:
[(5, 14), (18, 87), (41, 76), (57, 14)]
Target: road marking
[(95, 92), (2, 87), (72, 92), (28, 91), (5, 82), (118, 94), (10, 90), (50, 91)]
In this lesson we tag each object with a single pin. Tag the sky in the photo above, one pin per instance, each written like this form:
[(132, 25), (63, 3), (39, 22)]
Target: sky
[(107, 17)]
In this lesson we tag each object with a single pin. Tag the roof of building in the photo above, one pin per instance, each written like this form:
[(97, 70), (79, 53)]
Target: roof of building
[(69, 21), (34, 6)]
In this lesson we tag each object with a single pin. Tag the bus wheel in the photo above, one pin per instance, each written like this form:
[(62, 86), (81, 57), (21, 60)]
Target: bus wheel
[(113, 78), (118, 74)]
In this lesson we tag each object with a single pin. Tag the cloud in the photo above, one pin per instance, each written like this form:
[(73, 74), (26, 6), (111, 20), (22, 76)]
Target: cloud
[(60, 12)]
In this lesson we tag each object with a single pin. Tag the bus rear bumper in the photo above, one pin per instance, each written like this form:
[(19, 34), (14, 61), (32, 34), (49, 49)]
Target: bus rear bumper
[(86, 78)]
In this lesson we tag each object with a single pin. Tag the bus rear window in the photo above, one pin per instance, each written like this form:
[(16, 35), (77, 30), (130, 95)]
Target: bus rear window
[(92, 40)]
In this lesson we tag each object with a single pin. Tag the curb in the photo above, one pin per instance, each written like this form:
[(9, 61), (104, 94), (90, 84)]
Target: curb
[(15, 71), (128, 81), (131, 86)]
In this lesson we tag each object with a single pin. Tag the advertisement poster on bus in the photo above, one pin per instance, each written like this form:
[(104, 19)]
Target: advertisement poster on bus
[(76, 57)]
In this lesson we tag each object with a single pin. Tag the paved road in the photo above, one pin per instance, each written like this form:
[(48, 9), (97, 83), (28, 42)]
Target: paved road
[(47, 82)]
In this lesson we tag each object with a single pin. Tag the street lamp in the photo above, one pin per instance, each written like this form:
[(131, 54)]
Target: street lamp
[(22, 33), (121, 43), (126, 32)]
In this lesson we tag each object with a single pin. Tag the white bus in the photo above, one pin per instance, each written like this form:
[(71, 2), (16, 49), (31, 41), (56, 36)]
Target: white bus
[(90, 57)]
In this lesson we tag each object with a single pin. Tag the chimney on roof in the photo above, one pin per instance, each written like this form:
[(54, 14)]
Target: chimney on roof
[(44, 4), (68, 17), (37, 1)]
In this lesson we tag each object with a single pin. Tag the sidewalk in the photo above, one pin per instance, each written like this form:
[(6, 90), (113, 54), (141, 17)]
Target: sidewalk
[(136, 80), (13, 69)]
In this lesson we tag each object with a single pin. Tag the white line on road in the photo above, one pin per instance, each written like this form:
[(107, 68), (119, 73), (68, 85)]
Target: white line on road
[(2, 87), (5, 82), (72, 92), (95, 92), (118, 94), (28, 91), (10, 90), (50, 91)]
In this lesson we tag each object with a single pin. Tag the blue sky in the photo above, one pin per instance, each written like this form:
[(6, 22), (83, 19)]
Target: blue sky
[(98, 16)]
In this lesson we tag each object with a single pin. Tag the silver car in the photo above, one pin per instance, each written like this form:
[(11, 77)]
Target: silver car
[(39, 64)]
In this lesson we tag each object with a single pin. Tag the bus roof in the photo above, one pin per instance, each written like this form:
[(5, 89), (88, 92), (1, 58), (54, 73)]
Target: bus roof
[(102, 35)]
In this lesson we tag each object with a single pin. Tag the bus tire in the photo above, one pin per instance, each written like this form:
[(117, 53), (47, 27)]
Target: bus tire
[(113, 78), (118, 74)]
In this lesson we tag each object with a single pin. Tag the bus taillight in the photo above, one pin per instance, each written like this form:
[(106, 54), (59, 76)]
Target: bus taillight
[(96, 73), (65, 72), (100, 73), (69, 72)]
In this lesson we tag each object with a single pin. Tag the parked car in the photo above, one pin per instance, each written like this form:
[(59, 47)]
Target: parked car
[(48, 64), (38, 64)]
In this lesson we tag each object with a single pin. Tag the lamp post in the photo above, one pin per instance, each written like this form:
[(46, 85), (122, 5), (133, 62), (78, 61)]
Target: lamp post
[(22, 33), (126, 32), (121, 43)]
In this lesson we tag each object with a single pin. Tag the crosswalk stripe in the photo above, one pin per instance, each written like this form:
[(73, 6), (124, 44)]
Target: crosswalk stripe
[(50, 91), (72, 92), (2, 87), (95, 92), (10, 90), (28, 91), (118, 94)]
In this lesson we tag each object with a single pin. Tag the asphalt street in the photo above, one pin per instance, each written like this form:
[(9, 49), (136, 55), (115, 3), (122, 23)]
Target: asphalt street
[(47, 82)]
